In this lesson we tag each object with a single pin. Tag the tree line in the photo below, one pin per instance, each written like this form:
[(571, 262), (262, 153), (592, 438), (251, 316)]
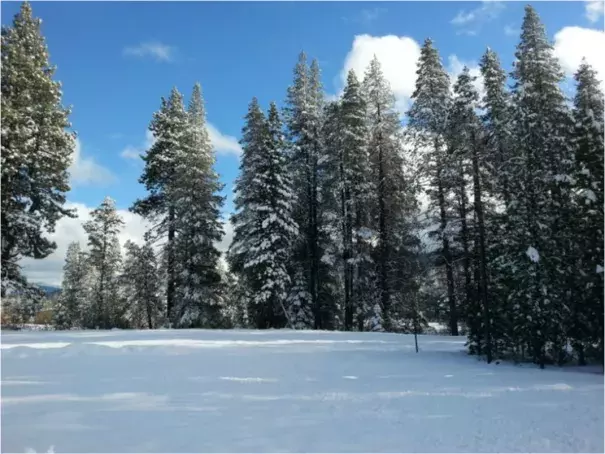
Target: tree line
[(483, 209)]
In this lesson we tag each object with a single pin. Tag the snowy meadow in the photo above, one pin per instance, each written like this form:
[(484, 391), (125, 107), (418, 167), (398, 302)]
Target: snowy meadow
[(284, 391)]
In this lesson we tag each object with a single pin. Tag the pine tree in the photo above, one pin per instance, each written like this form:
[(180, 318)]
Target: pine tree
[(394, 196), (169, 126), (348, 186), (303, 116), (499, 163), (335, 233), (75, 288), (264, 228), (140, 285), (428, 120), (36, 148), (194, 194), (586, 325), (498, 123), (470, 147), (105, 260), (541, 169)]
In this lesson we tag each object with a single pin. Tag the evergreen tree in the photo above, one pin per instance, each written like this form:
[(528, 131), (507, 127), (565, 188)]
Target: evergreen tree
[(237, 299), (393, 199), (105, 260), (469, 147), (497, 120), (303, 115), (194, 194), (540, 246), (355, 188), (264, 228), (428, 122), (141, 286), (36, 148), (169, 126), (499, 162), (586, 325), (75, 288), (334, 233)]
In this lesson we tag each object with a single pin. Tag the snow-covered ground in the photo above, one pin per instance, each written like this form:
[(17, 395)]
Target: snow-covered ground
[(284, 391)]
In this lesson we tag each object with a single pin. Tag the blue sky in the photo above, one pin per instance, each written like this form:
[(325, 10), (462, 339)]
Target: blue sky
[(116, 59)]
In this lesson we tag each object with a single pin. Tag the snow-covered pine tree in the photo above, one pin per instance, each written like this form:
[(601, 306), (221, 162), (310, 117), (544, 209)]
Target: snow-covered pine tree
[(36, 148), (237, 298), (469, 146), (264, 227), (75, 288), (169, 127), (347, 186), (586, 326), (457, 173), (333, 227), (194, 194), (105, 260), (541, 194), (393, 198), (497, 119), (498, 124), (303, 118), (428, 120), (140, 285)]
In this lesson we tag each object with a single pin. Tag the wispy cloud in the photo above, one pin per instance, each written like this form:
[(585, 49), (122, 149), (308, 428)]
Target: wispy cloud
[(222, 143), (366, 16), (510, 30), (134, 152), (594, 9), (156, 50), (86, 171), (470, 22)]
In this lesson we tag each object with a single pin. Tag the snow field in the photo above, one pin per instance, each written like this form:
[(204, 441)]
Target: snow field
[(284, 391)]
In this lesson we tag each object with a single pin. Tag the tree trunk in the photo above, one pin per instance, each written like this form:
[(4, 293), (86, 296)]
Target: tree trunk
[(482, 253), (448, 259), (383, 235), (346, 241), (170, 288), (468, 288), (312, 239)]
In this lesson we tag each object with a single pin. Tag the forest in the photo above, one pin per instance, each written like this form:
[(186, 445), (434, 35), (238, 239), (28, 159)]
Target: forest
[(478, 208)]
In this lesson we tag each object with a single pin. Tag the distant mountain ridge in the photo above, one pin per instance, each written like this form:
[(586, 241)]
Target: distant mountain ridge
[(49, 289)]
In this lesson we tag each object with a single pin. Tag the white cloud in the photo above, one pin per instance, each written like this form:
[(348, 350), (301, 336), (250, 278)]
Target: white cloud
[(131, 152), (398, 56), (509, 30), (85, 170), (594, 9), (573, 43), (470, 22), (223, 144), (455, 68), (223, 246), (156, 50), (134, 152), (366, 16), (49, 271)]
